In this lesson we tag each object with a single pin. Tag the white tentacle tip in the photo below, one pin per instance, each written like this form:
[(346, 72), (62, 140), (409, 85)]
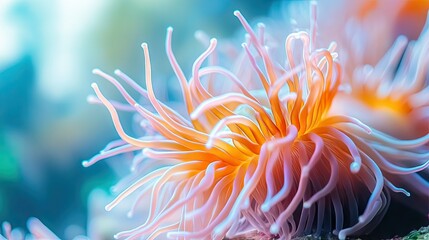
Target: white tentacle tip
[(96, 71), (146, 151), (91, 99), (193, 115), (85, 163), (117, 72), (274, 229), (217, 231), (209, 144), (198, 34), (93, 85), (306, 204), (265, 207), (108, 207), (342, 235), (144, 45), (354, 167)]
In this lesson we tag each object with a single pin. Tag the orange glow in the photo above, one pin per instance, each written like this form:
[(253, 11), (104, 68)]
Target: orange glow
[(388, 103)]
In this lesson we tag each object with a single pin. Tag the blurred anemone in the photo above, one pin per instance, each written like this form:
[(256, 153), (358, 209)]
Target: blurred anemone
[(365, 30), (393, 94), (392, 97), (37, 231), (258, 149)]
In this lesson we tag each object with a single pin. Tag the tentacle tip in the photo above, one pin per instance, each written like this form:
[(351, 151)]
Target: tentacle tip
[(341, 235), (90, 98), (169, 29), (237, 13), (85, 163), (144, 45), (402, 38), (96, 71), (33, 222), (218, 231), (116, 236), (108, 208), (213, 41), (274, 229), (354, 167), (209, 145), (306, 204), (261, 25), (118, 72), (193, 116), (265, 207), (93, 85), (198, 33), (145, 151), (6, 225)]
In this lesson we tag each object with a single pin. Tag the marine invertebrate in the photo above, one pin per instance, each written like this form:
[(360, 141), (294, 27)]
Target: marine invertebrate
[(37, 231), (392, 97), (395, 89), (362, 35), (271, 158)]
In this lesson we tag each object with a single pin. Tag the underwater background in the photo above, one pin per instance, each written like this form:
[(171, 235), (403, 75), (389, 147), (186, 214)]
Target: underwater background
[(47, 127)]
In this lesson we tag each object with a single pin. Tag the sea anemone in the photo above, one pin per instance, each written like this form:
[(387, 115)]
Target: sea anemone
[(392, 97), (273, 159), (38, 231), (393, 94)]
